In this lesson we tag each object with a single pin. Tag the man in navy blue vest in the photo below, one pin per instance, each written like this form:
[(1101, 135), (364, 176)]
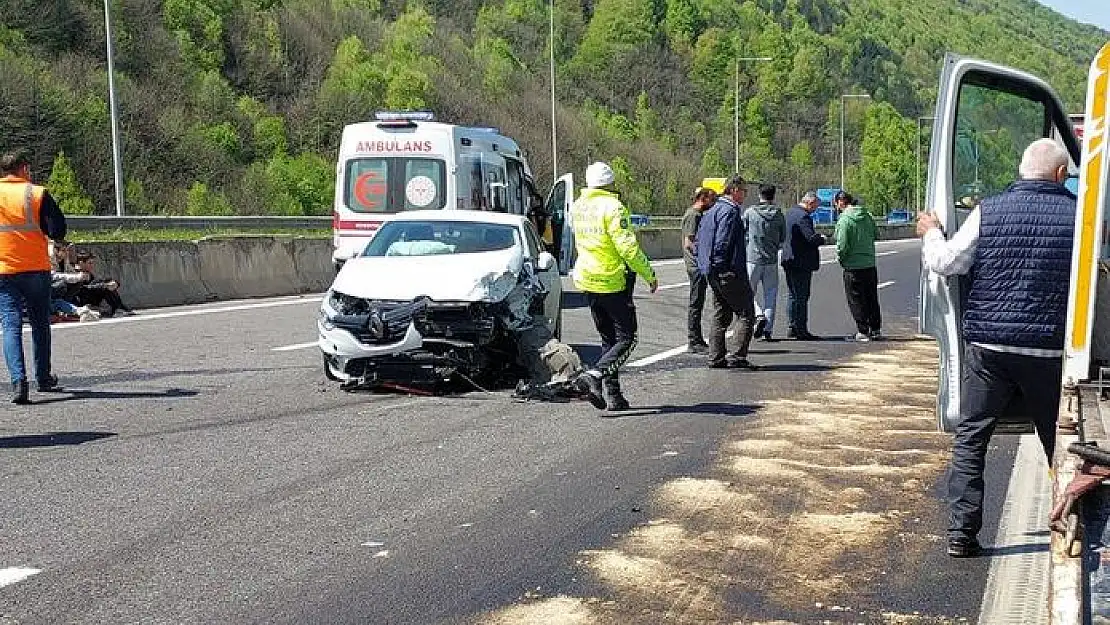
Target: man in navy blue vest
[(1016, 248)]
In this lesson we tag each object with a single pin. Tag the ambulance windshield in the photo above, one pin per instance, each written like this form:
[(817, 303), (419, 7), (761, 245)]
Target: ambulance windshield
[(395, 184)]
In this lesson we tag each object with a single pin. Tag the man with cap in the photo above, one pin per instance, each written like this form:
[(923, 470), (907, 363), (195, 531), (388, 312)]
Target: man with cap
[(609, 259), (723, 260)]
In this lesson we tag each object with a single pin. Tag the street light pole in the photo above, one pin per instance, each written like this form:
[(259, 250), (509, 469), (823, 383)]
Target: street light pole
[(736, 111), (554, 140), (917, 155), (116, 158), (842, 98)]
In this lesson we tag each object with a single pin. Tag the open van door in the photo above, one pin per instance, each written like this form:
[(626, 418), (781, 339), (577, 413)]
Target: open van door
[(558, 208), (986, 116)]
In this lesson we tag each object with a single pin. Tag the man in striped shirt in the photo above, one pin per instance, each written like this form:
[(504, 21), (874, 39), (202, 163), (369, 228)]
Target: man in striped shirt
[(1016, 247)]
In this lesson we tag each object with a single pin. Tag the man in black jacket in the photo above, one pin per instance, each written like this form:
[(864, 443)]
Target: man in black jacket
[(800, 258)]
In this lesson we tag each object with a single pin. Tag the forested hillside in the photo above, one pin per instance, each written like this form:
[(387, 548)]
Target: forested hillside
[(235, 106)]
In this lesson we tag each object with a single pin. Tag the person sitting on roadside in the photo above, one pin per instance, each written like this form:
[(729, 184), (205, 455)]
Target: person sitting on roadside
[(96, 292), (63, 288)]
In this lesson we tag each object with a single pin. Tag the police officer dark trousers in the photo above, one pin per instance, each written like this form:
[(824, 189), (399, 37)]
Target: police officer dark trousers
[(609, 259), (614, 316)]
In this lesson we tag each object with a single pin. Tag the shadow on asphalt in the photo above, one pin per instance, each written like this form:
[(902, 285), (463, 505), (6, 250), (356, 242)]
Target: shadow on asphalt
[(77, 395), (147, 376), (573, 300), (587, 353), (53, 439), (708, 409), (1014, 550)]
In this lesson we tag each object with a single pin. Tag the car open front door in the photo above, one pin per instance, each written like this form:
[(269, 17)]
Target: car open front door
[(986, 116), (558, 207)]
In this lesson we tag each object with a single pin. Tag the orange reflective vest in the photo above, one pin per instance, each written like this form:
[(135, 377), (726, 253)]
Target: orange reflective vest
[(23, 246)]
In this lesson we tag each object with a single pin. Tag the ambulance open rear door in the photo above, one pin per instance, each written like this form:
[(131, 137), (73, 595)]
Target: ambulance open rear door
[(558, 209)]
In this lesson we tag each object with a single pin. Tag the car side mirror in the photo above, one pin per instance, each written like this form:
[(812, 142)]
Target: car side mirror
[(546, 261)]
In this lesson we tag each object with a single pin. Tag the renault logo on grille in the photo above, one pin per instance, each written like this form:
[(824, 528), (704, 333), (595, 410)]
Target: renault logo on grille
[(376, 326)]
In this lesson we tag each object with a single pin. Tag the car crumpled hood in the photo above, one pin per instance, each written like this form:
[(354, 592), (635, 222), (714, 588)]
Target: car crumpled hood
[(480, 277)]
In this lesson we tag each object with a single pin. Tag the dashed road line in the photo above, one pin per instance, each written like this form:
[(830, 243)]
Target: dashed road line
[(886, 284), (670, 353), (184, 313), (674, 286), (16, 574), (295, 347)]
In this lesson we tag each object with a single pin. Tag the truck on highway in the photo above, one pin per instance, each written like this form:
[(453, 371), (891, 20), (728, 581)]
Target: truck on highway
[(986, 114), (404, 161)]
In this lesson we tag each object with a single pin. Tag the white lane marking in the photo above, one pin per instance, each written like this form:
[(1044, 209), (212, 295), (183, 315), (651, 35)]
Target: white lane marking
[(829, 261), (665, 263), (670, 353), (298, 346), (650, 360), (1017, 583), (674, 286), (16, 574), (886, 284), (184, 313)]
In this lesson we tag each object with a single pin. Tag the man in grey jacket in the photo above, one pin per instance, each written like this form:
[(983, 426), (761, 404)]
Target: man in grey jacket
[(766, 231)]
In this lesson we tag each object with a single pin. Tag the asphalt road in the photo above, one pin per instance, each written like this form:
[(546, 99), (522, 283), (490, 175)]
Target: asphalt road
[(197, 472)]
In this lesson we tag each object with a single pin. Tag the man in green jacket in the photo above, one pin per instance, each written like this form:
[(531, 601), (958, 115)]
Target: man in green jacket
[(609, 259), (856, 233)]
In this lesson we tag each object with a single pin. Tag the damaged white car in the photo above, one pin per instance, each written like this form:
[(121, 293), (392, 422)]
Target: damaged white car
[(442, 295)]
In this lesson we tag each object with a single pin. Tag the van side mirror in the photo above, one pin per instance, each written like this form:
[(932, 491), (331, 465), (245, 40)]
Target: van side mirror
[(545, 262)]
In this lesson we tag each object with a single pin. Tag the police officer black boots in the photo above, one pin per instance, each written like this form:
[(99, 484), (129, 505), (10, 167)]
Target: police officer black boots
[(614, 399)]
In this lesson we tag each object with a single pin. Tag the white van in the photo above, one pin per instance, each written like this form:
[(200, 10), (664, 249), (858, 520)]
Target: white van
[(407, 161)]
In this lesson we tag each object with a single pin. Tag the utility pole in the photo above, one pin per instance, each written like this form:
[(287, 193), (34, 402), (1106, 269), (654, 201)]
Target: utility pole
[(736, 111), (842, 99), (117, 159)]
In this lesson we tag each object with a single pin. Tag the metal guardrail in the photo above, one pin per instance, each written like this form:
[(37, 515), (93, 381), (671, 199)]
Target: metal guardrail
[(176, 222)]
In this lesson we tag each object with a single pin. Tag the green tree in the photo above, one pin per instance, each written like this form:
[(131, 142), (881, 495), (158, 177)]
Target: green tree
[(202, 201), (681, 23), (648, 124), (198, 26), (713, 165), (802, 162), (66, 189), (884, 179), (617, 27)]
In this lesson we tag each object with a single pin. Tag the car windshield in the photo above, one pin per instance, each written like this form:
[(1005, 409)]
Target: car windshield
[(428, 238)]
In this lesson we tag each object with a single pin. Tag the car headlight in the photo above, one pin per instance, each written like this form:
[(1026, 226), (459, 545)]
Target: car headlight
[(326, 314)]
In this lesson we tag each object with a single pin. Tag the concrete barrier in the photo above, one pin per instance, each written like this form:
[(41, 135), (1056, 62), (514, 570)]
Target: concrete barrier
[(662, 243), (172, 273)]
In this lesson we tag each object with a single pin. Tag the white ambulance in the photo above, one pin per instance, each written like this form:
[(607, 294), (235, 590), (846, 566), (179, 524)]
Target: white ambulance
[(407, 161)]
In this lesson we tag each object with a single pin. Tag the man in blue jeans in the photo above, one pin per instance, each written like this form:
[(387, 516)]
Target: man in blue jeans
[(28, 215)]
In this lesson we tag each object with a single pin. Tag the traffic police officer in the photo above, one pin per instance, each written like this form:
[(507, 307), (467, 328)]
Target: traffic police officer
[(28, 215), (609, 259)]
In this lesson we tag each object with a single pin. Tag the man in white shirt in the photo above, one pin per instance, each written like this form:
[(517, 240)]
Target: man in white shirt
[(1016, 247)]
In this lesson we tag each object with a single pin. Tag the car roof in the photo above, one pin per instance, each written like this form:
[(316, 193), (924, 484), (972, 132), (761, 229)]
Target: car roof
[(473, 216)]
